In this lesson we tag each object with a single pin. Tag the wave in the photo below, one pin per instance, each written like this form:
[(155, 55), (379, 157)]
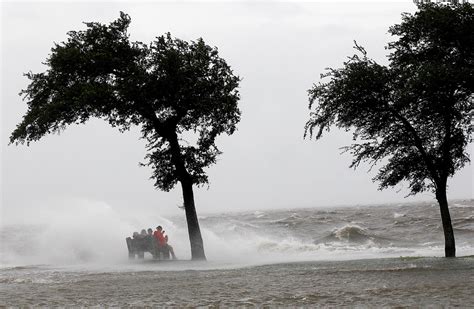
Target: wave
[(96, 236), (351, 233), (289, 245), (459, 205), (469, 219), (292, 220), (464, 225), (398, 215)]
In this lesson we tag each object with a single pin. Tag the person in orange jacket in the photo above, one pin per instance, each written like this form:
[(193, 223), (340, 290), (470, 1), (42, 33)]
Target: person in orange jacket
[(162, 240)]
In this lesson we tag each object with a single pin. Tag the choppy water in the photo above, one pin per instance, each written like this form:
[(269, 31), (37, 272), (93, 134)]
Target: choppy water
[(327, 257)]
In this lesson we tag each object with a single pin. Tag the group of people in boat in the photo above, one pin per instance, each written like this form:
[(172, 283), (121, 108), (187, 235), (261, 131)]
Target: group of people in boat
[(158, 236)]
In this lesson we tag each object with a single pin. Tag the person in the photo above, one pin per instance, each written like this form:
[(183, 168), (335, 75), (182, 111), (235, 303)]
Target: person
[(150, 232), (143, 234), (169, 247), (162, 240), (159, 236)]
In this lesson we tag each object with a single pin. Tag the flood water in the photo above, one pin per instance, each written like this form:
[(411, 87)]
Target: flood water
[(380, 282)]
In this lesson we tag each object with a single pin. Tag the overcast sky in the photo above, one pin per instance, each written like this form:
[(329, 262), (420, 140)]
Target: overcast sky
[(278, 48)]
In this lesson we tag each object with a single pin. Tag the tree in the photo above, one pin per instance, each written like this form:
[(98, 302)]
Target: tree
[(412, 116), (170, 88)]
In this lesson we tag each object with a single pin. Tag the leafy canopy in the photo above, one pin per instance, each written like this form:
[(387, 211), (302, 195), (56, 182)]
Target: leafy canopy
[(170, 88), (414, 113)]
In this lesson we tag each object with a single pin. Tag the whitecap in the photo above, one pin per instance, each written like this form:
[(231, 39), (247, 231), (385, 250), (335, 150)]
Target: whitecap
[(398, 215)]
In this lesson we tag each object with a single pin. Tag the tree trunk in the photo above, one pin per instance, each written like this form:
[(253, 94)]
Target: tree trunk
[(197, 247), (449, 247), (195, 238)]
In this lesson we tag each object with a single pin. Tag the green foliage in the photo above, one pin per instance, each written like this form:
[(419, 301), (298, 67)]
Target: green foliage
[(414, 114), (169, 88)]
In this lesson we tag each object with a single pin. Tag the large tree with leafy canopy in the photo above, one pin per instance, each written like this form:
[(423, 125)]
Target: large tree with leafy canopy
[(413, 115), (171, 89)]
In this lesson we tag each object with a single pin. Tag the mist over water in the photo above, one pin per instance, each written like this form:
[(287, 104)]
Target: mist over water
[(75, 231), (91, 235)]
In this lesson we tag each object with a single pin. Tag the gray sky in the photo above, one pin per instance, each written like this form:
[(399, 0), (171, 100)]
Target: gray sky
[(278, 48)]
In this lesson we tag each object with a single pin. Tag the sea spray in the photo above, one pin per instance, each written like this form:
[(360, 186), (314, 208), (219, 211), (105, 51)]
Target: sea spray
[(85, 232), (69, 231)]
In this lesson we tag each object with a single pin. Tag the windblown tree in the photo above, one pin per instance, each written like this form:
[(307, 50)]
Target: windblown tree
[(412, 116), (171, 89)]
